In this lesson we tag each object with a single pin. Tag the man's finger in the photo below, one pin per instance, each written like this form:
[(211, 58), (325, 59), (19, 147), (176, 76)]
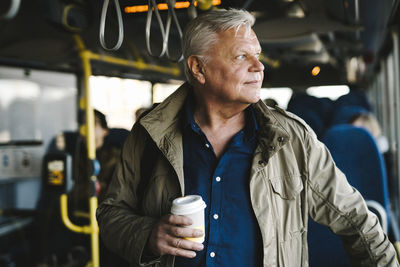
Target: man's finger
[(185, 244), (178, 220), (184, 253), (178, 231), (180, 252)]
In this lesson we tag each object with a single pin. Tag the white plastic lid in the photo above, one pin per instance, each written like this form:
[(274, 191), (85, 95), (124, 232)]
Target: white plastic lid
[(187, 205)]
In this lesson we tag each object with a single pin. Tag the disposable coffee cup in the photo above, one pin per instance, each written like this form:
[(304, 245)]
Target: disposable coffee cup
[(193, 207)]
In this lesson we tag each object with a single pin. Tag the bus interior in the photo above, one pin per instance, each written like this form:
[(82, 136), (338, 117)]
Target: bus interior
[(60, 59)]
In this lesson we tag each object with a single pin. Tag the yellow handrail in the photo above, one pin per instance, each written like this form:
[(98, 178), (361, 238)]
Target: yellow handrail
[(138, 64), (91, 229), (64, 215)]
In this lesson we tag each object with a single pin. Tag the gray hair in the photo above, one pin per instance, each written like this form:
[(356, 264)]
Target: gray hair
[(201, 33)]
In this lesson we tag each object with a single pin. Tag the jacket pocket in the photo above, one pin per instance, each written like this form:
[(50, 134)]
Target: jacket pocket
[(288, 187), (287, 204)]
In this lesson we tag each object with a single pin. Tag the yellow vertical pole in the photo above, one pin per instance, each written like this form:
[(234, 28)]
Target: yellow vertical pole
[(94, 235), (90, 139), (91, 150)]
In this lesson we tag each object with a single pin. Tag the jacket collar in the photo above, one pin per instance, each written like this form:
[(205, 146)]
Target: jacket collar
[(163, 119), (163, 125), (272, 136)]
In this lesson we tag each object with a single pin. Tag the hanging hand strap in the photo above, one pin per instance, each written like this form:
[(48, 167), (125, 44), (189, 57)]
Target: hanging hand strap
[(152, 5), (103, 25)]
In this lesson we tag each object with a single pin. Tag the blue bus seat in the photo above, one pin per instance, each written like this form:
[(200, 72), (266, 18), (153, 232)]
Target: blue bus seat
[(342, 115), (355, 153), (314, 111), (312, 119), (353, 98), (321, 106)]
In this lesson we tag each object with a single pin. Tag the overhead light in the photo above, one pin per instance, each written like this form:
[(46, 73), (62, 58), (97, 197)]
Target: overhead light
[(315, 71), (295, 11), (164, 6), (355, 67)]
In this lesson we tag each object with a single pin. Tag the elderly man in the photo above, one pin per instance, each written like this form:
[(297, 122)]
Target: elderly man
[(260, 171)]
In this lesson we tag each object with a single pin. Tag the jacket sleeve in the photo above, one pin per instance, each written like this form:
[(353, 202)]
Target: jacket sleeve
[(123, 227), (336, 204)]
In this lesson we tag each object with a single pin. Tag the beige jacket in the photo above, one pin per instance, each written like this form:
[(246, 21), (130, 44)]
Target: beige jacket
[(292, 176)]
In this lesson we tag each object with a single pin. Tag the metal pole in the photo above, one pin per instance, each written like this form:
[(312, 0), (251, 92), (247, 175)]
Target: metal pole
[(396, 99)]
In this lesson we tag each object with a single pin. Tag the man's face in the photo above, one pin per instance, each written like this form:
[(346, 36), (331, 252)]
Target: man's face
[(99, 133), (234, 74)]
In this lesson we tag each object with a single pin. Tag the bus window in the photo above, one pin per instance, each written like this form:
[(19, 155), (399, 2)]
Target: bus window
[(27, 98), (119, 99), (332, 92), (281, 95), (162, 90)]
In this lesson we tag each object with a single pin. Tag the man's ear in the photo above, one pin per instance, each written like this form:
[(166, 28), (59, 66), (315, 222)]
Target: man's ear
[(196, 66)]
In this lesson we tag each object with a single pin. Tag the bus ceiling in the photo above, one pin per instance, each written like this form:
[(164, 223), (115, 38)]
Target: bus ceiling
[(341, 39)]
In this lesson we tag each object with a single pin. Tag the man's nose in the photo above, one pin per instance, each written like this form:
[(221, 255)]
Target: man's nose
[(257, 65)]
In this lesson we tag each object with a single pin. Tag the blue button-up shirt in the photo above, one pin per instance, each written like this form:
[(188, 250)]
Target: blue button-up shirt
[(232, 234)]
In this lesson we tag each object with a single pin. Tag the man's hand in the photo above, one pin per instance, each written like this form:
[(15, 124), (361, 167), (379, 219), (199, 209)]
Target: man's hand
[(168, 237)]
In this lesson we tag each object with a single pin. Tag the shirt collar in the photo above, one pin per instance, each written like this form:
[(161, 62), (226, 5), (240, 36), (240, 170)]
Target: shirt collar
[(250, 129), (189, 118)]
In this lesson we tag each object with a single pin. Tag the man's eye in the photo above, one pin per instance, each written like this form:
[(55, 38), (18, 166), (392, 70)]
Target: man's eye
[(241, 57)]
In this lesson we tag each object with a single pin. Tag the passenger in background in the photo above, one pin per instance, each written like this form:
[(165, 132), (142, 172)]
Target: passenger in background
[(368, 121), (261, 171), (107, 152), (108, 144)]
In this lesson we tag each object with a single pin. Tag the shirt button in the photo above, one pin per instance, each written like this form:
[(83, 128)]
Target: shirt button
[(207, 145), (215, 216), (212, 254), (218, 179)]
